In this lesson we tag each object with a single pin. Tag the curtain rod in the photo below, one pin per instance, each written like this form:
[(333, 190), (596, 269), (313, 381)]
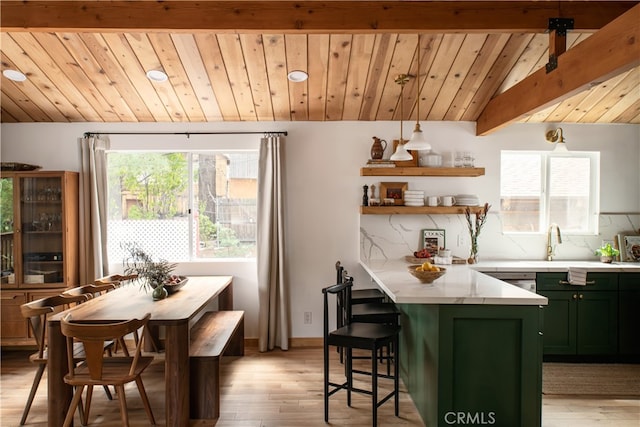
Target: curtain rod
[(187, 134)]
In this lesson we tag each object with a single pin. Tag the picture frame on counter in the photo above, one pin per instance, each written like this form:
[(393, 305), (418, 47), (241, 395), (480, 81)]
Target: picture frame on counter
[(629, 246), (393, 190), (432, 239)]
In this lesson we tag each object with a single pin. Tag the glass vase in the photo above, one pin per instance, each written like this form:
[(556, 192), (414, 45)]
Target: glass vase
[(473, 253)]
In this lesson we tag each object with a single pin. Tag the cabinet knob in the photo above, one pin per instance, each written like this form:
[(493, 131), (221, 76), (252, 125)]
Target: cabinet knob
[(581, 296), (575, 296)]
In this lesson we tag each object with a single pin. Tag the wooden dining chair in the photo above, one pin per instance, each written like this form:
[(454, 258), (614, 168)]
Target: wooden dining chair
[(36, 313), (114, 279), (92, 291), (118, 280), (97, 369)]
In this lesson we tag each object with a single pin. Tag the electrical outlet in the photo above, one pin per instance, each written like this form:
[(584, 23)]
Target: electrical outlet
[(307, 317)]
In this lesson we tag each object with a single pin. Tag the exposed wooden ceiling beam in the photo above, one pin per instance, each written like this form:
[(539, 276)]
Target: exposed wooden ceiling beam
[(305, 16), (610, 51)]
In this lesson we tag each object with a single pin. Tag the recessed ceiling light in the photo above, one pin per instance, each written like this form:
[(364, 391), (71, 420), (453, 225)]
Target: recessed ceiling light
[(297, 76), (157, 76), (14, 75)]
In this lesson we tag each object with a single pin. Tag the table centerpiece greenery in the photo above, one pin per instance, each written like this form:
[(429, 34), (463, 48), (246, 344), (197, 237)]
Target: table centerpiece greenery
[(151, 274)]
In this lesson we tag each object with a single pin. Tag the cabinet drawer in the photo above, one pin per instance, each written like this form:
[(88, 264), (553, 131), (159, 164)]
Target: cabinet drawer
[(13, 324), (629, 281), (559, 281)]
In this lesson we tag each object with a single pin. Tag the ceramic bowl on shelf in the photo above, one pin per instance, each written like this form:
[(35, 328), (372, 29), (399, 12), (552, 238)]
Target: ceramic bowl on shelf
[(426, 276)]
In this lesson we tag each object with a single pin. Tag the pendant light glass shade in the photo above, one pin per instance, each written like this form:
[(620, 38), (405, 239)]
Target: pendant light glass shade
[(418, 140), (401, 153)]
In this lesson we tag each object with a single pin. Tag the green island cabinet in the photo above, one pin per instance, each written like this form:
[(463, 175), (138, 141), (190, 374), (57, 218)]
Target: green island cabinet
[(580, 320), (479, 362), (629, 315)]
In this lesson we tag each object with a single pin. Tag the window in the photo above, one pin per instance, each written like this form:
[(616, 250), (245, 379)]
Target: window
[(181, 206), (538, 189)]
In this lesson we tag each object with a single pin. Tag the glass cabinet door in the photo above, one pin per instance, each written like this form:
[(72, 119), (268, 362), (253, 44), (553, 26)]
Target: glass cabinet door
[(41, 245), (7, 276)]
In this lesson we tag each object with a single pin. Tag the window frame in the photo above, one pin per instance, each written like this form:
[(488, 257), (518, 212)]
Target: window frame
[(198, 144), (544, 220)]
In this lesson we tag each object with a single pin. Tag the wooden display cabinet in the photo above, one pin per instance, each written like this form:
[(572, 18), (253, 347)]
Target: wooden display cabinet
[(39, 242)]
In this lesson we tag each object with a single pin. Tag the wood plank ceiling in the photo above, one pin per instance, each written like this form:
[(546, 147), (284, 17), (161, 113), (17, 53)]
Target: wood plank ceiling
[(81, 68)]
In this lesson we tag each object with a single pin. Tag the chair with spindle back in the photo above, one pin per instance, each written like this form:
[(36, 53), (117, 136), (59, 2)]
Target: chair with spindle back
[(36, 312), (104, 371)]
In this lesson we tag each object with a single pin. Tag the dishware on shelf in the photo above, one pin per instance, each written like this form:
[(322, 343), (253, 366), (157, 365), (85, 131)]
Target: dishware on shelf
[(426, 276), (430, 159), (466, 200), (433, 201), (414, 198), (448, 200)]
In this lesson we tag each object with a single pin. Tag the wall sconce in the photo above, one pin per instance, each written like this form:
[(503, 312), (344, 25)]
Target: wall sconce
[(401, 152), (554, 136)]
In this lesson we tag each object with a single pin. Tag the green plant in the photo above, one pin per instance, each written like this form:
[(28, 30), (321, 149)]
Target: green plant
[(607, 250), (150, 273)]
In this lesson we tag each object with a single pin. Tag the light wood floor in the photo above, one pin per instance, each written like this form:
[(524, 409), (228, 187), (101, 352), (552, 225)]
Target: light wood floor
[(279, 389)]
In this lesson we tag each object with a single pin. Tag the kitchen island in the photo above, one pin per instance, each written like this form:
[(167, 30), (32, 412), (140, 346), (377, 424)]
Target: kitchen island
[(470, 346)]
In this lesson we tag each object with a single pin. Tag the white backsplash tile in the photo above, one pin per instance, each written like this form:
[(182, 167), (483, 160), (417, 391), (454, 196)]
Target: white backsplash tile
[(394, 236)]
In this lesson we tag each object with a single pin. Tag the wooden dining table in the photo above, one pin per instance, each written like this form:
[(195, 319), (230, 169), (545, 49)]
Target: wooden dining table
[(175, 313)]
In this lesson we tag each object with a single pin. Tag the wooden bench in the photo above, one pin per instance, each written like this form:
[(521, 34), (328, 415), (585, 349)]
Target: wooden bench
[(217, 333)]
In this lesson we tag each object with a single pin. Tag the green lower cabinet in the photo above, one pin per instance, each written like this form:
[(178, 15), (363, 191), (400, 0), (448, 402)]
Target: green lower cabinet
[(580, 320), (629, 315), (473, 365), (597, 323), (560, 316)]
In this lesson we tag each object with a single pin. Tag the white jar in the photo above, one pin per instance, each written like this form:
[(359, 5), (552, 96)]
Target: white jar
[(430, 159)]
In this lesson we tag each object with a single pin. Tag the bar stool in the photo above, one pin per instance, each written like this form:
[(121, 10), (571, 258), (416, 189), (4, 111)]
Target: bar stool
[(359, 296), (365, 336)]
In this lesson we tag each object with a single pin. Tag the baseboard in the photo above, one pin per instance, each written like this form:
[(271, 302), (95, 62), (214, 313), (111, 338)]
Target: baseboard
[(293, 342)]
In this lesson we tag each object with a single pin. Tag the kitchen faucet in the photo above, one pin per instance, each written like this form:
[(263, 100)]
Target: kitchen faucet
[(549, 246)]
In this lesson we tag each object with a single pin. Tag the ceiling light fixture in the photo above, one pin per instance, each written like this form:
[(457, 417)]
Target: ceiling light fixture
[(297, 76), (418, 141), (14, 75), (401, 152), (555, 136), (157, 76)]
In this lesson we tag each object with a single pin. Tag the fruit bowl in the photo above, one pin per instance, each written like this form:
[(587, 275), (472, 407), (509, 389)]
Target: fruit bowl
[(426, 276), (172, 287)]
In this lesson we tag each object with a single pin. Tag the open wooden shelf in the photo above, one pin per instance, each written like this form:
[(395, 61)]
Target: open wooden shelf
[(421, 171), (416, 210)]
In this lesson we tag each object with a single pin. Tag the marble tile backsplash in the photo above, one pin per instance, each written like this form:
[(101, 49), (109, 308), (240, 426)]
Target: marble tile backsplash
[(394, 236)]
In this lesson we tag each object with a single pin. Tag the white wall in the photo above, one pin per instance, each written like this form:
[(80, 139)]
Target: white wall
[(324, 189)]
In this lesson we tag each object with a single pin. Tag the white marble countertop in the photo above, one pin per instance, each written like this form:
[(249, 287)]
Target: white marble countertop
[(459, 285), (555, 266)]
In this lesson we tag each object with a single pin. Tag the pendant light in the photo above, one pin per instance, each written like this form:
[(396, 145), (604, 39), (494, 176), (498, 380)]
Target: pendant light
[(401, 152), (418, 140)]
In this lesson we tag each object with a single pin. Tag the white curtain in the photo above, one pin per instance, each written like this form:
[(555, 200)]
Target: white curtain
[(273, 317), (93, 215)]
